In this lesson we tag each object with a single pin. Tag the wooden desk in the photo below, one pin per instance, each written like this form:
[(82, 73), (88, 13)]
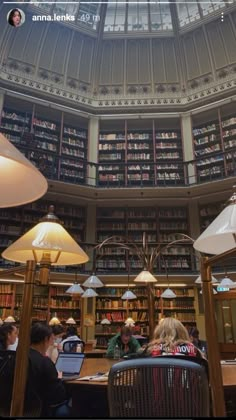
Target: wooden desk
[(89, 399), (95, 353)]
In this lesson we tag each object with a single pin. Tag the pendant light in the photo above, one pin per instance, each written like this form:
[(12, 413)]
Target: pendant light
[(54, 320), (70, 321), (213, 280), (75, 289), (93, 281), (10, 319), (128, 295), (145, 277), (105, 321), (89, 293), (168, 293), (129, 322), (226, 284)]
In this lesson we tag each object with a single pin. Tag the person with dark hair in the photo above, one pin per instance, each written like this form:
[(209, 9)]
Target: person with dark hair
[(71, 335), (123, 343), (15, 17), (55, 347), (8, 335), (43, 374), (200, 344)]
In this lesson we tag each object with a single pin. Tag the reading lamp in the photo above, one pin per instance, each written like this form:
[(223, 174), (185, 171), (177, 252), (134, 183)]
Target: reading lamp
[(220, 239), (47, 244)]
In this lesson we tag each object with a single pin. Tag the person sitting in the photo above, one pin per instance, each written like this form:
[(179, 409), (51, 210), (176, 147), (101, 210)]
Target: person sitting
[(43, 374), (124, 341), (194, 337), (71, 335), (55, 347), (8, 336), (170, 337)]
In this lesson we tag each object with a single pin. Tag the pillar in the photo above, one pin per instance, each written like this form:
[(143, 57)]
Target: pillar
[(188, 150), (93, 135)]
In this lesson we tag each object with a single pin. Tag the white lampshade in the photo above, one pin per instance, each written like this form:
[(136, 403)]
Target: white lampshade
[(20, 180), (220, 234), (54, 320), (213, 280), (89, 293), (105, 321), (129, 322), (168, 294), (10, 319), (93, 281), (213, 290), (70, 321), (145, 277), (47, 242), (128, 295), (226, 284), (75, 289)]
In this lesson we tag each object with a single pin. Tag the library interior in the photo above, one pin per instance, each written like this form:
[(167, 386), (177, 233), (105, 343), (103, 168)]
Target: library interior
[(118, 209)]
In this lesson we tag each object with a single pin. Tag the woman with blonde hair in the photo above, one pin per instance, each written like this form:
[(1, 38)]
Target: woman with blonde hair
[(171, 337)]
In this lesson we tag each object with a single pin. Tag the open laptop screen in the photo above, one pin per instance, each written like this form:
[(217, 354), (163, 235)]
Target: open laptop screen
[(69, 363)]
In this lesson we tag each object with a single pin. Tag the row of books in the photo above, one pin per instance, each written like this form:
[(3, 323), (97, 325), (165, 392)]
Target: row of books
[(5, 288), (14, 116), (119, 303), (6, 300)]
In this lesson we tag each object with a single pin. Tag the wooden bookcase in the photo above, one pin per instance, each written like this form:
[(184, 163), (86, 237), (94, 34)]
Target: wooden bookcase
[(111, 158), (110, 305), (56, 142), (161, 226), (169, 157), (47, 301)]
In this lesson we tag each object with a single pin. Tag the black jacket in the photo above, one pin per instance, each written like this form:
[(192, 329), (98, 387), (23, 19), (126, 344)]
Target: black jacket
[(42, 374)]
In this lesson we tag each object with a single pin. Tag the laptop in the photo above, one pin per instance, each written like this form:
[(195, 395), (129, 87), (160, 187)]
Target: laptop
[(70, 365)]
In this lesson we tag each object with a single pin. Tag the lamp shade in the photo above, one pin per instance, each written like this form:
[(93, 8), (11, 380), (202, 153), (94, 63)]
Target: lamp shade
[(93, 281), (145, 277), (220, 234), (75, 289), (54, 321), (129, 322), (105, 321), (128, 295), (226, 284), (168, 294), (89, 293), (20, 180), (46, 241), (10, 319), (70, 321), (213, 280)]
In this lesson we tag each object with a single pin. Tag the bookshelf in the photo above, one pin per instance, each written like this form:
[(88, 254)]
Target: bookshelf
[(161, 226), (208, 149), (140, 155), (109, 305), (56, 142), (228, 124), (207, 213), (111, 156), (6, 300), (169, 157)]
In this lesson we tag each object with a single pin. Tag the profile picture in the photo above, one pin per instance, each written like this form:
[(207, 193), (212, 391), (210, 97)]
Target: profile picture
[(16, 17)]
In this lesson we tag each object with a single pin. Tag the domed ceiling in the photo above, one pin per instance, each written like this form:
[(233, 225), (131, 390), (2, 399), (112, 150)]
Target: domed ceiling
[(119, 55)]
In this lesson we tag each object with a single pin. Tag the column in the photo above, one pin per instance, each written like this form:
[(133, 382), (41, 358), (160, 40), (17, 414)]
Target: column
[(188, 150), (1, 102), (89, 304), (93, 134)]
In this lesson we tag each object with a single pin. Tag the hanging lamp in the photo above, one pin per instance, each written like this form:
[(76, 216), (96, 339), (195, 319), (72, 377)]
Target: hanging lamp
[(128, 295)]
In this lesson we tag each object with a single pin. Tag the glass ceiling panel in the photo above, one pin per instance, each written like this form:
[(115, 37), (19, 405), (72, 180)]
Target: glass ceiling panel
[(211, 6), (188, 12), (115, 16), (160, 16), (138, 16)]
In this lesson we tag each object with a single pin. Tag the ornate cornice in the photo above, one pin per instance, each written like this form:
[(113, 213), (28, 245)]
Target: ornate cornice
[(203, 90)]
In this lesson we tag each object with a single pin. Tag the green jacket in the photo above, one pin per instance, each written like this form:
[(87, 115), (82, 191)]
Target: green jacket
[(133, 344)]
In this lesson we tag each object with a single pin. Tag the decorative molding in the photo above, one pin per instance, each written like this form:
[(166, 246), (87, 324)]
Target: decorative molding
[(80, 92)]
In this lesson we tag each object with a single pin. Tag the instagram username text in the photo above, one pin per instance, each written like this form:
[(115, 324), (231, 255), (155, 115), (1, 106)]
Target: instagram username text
[(65, 18)]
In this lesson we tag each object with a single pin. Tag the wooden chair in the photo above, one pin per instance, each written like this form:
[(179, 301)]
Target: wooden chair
[(158, 387)]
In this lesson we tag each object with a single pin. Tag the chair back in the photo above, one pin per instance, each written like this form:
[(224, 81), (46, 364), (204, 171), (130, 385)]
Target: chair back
[(32, 403), (158, 387), (70, 346)]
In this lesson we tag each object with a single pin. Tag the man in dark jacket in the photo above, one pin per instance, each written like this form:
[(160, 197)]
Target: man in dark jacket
[(124, 342), (43, 374)]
